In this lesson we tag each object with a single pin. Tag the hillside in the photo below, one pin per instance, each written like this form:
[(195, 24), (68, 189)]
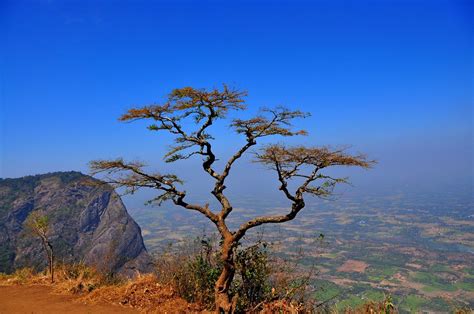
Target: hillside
[(88, 220)]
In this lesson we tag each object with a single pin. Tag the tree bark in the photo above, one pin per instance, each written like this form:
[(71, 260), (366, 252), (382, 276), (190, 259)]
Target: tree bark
[(224, 303), (51, 261), (48, 249)]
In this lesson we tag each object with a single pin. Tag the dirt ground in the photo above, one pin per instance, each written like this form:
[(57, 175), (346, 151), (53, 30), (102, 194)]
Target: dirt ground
[(41, 299)]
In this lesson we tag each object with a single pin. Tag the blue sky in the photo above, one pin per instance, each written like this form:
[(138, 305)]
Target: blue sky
[(392, 78)]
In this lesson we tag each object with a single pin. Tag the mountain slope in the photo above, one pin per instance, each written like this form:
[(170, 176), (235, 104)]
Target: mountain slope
[(88, 219)]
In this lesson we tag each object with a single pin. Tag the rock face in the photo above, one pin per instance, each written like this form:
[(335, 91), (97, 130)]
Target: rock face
[(87, 219)]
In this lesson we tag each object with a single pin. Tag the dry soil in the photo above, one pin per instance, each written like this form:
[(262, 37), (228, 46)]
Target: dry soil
[(41, 299)]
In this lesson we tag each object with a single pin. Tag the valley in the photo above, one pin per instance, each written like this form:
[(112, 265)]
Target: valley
[(418, 248)]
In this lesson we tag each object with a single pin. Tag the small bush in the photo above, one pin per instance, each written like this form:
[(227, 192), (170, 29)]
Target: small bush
[(192, 270), (20, 276), (253, 276), (383, 307)]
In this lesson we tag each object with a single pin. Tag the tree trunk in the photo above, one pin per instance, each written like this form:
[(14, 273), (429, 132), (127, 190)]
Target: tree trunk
[(51, 262), (48, 248), (224, 304)]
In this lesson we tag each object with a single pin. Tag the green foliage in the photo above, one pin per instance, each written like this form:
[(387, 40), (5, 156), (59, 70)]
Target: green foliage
[(195, 268), (379, 272), (439, 268), (37, 224), (198, 278), (433, 282), (325, 291), (21, 276), (252, 266), (62, 214), (70, 176), (371, 302), (77, 270), (469, 272), (466, 285), (6, 257), (384, 305), (28, 183), (11, 189), (374, 295), (389, 307), (194, 275), (413, 303)]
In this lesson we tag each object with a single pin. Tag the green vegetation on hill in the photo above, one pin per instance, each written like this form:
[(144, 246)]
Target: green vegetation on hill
[(28, 182)]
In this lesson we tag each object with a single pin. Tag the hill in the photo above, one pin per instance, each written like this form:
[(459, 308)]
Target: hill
[(88, 220)]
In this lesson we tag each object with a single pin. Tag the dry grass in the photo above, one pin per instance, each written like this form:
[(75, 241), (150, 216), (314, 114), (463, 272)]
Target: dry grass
[(23, 276), (284, 307), (143, 292), (146, 294)]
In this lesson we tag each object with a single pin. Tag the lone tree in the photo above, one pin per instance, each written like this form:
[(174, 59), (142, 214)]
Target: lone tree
[(188, 114), (38, 225)]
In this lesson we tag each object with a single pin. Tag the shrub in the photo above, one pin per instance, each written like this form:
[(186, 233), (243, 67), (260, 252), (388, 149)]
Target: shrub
[(193, 268), (253, 276), (385, 306)]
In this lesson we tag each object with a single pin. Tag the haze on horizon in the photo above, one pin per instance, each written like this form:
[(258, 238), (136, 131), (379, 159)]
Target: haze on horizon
[(391, 78)]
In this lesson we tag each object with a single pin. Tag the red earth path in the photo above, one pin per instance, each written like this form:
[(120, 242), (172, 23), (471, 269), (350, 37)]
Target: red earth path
[(42, 300)]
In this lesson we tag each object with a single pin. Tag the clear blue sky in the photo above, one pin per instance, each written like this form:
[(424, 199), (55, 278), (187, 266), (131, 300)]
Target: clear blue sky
[(393, 78)]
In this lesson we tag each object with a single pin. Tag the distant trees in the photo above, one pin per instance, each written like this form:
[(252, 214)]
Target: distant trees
[(188, 114), (38, 225)]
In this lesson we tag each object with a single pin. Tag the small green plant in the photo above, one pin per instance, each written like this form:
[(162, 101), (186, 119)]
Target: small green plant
[(38, 225), (204, 272), (253, 287), (23, 275), (191, 270)]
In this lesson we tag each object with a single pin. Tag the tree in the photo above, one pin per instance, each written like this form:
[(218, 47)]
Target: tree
[(200, 108), (38, 224)]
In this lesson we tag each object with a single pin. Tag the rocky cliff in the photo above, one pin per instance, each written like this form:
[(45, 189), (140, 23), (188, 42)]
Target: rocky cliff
[(87, 218)]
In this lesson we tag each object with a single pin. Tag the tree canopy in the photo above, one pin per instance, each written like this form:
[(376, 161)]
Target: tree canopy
[(188, 114)]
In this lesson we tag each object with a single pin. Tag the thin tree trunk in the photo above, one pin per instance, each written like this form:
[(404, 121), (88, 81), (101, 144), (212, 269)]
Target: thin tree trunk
[(48, 249), (51, 262), (224, 304)]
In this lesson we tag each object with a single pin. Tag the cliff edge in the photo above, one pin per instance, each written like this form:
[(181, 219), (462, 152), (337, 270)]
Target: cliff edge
[(88, 221)]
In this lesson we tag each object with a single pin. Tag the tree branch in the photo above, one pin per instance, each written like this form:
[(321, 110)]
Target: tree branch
[(204, 107), (253, 129), (295, 209), (287, 163)]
